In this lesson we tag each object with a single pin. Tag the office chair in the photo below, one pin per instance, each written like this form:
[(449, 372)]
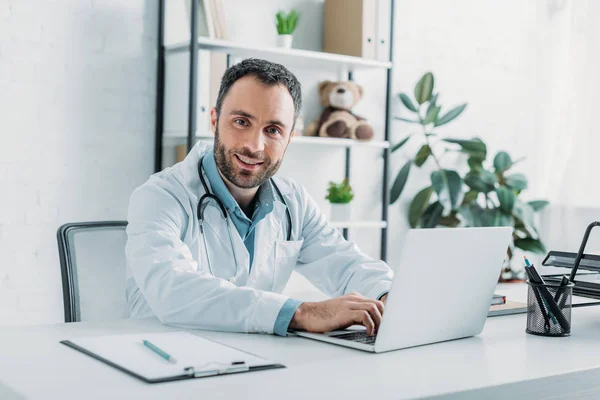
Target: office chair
[(92, 262)]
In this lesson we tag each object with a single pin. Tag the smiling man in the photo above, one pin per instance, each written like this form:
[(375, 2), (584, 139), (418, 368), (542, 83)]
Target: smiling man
[(213, 240)]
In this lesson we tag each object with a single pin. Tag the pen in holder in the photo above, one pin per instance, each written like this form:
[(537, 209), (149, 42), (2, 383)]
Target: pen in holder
[(549, 308)]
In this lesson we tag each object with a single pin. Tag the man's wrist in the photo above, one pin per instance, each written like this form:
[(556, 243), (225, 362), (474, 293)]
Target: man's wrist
[(297, 321)]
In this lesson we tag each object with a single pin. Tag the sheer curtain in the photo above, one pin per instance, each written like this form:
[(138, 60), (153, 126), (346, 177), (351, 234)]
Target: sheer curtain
[(569, 145)]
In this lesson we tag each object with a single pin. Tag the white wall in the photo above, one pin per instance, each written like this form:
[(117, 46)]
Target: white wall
[(77, 87), (496, 56), (77, 101)]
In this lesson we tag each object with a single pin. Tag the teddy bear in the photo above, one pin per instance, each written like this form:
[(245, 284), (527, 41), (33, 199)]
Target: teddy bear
[(337, 119)]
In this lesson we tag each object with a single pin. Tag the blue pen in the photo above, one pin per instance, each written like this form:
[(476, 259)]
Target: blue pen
[(527, 261), (160, 352)]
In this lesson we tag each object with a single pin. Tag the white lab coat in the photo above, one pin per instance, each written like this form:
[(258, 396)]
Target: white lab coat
[(167, 272)]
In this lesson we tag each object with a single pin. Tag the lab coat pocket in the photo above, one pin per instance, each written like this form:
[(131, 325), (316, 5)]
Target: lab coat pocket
[(286, 256)]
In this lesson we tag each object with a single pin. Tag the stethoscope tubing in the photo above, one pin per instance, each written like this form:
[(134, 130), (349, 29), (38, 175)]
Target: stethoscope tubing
[(207, 196)]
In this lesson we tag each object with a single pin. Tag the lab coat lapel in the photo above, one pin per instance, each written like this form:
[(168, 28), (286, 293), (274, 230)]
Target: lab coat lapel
[(267, 233), (215, 223)]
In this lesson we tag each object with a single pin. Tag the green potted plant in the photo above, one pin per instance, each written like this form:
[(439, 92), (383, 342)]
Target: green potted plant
[(485, 195), (286, 23), (340, 195)]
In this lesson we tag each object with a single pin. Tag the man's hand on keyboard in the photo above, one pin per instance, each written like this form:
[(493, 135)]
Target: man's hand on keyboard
[(339, 313)]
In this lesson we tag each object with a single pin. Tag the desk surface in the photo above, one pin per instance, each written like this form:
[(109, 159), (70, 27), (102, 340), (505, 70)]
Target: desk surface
[(502, 361)]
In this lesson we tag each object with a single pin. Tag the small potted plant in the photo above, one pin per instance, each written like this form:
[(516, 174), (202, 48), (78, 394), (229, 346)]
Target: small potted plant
[(286, 23), (340, 195)]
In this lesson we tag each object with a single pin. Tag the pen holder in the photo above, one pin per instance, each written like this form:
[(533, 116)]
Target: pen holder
[(549, 309)]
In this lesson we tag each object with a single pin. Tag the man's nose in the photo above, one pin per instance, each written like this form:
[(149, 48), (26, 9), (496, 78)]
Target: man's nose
[(255, 142)]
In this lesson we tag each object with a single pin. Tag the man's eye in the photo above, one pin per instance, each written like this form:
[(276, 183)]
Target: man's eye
[(273, 131), (240, 121)]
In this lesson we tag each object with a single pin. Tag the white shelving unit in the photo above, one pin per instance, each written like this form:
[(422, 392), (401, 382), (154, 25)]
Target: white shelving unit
[(344, 65), (297, 57)]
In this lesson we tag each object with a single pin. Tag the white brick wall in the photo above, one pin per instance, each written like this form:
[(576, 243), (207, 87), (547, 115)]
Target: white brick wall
[(77, 87)]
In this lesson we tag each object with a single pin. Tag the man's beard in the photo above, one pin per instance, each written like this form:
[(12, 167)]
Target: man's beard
[(243, 179)]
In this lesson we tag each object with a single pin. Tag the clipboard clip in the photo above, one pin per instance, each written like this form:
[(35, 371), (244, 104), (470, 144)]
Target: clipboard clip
[(216, 368)]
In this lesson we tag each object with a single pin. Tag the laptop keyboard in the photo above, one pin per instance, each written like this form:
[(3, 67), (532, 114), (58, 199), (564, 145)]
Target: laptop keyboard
[(359, 336)]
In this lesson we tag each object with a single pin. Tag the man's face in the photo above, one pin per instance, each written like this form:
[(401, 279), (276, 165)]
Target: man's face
[(252, 132)]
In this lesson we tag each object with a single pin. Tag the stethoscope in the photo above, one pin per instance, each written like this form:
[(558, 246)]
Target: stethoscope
[(203, 203)]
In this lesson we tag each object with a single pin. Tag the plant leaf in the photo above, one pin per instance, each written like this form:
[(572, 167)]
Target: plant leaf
[(400, 143), (470, 197), (407, 102), (507, 199), (417, 206), (473, 146), (530, 244), (422, 155), (506, 220), (482, 181), (502, 162), (524, 212), (452, 191), (450, 115), (471, 214), (516, 181), (431, 115), (424, 88), (400, 182), (433, 102), (475, 161), (491, 217), (431, 216), (538, 205), (412, 121)]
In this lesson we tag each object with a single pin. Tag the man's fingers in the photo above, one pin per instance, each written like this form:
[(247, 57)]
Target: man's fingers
[(364, 318), (379, 304), (371, 308)]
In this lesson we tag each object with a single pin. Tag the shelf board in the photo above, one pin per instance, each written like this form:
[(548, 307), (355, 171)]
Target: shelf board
[(180, 137), (358, 224), (284, 56)]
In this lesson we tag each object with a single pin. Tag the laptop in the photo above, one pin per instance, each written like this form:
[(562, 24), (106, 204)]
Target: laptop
[(442, 290)]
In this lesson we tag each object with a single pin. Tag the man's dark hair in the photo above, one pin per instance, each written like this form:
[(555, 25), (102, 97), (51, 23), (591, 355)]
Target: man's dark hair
[(267, 73)]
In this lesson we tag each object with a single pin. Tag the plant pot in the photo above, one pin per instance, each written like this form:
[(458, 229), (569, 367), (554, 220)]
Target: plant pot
[(285, 41), (340, 212)]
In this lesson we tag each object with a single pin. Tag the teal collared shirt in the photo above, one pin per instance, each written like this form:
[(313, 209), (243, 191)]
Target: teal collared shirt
[(263, 205)]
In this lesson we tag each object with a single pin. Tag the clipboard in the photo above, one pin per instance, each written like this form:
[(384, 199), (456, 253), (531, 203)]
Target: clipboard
[(197, 357)]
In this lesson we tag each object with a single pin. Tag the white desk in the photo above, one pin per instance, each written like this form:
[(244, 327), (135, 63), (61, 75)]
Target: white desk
[(503, 362)]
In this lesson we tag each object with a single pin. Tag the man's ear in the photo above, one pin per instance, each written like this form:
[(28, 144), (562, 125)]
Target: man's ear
[(213, 120)]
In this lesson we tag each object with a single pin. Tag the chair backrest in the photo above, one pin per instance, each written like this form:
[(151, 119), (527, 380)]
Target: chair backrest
[(92, 262)]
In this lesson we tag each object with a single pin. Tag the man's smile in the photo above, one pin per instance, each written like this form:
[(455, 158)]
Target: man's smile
[(247, 163)]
